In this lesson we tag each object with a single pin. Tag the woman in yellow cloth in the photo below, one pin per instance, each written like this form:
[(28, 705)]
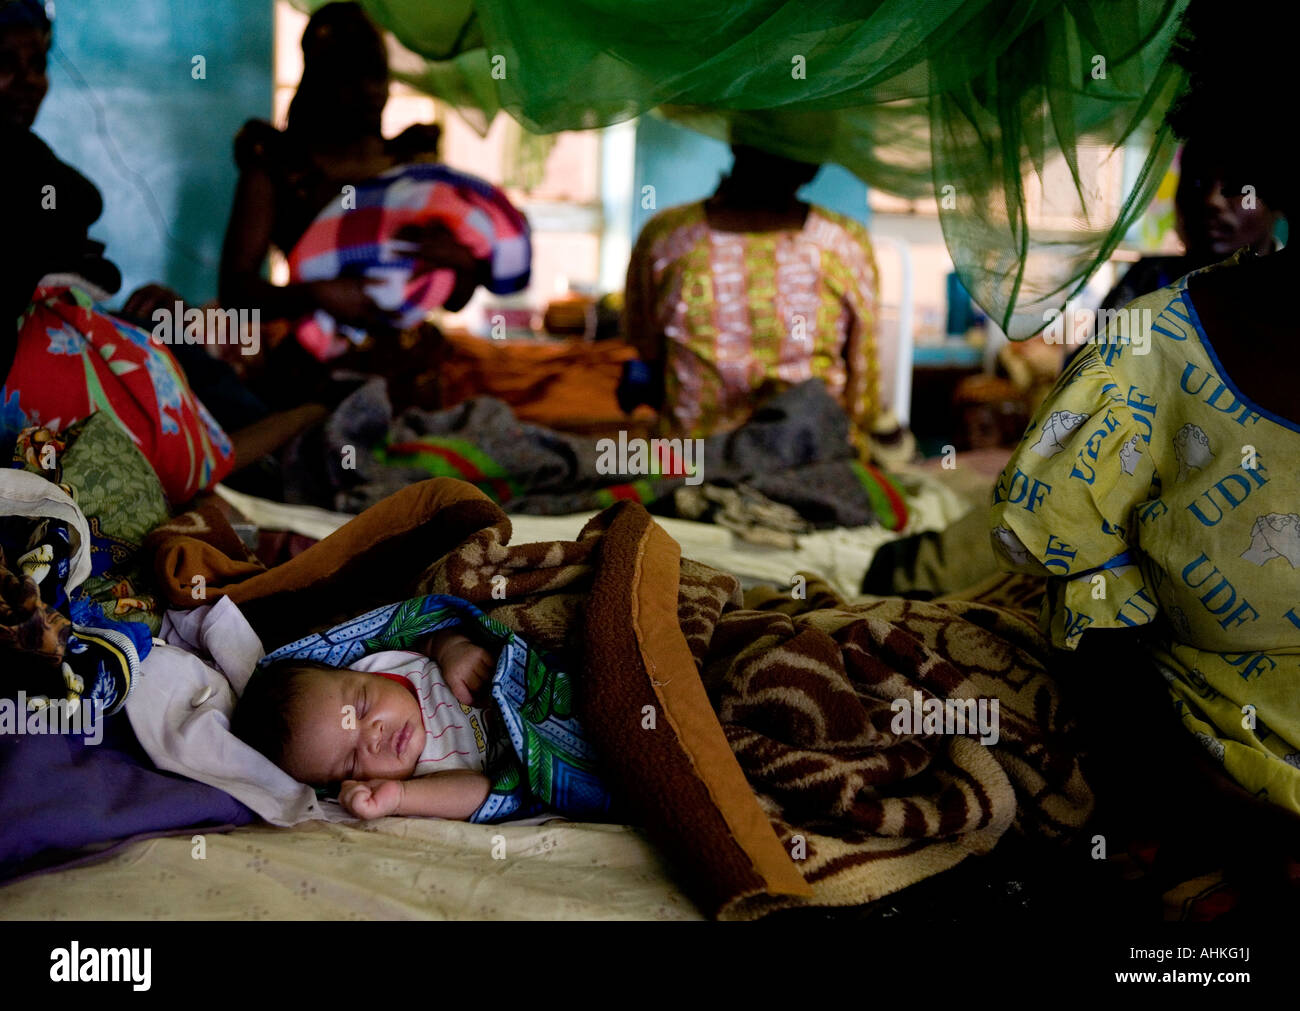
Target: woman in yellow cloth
[(1158, 488), (1150, 486), (749, 291)]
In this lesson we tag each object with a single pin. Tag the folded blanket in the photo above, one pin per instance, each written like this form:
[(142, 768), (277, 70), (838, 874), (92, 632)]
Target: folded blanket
[(200, 542)]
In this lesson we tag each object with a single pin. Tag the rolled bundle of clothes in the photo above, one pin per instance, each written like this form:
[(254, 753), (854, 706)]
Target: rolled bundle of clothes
[(356, 235)]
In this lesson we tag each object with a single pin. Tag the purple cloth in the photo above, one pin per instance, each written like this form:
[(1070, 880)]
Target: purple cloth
[(59, 794)]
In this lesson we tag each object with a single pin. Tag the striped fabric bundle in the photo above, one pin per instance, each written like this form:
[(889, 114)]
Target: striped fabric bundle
[(355, 236)]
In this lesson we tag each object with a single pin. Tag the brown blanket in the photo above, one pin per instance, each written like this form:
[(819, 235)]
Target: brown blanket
[(374, 559), (754, 738)]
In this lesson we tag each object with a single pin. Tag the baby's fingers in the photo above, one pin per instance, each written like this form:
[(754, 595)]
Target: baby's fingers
[(480, 687), (486, 669), (460, 689), (356, 798), (348, 789)]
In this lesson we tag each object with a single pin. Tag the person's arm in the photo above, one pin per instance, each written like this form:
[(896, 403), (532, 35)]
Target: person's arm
[(39, 236), (266, 436), (455, 794), (15, 296), (247, 242), (861, 355), (861, 381), (1067, 505)]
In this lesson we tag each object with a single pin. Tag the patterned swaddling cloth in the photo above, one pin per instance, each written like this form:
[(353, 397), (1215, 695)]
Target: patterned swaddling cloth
[(543, 761), (355, 236)]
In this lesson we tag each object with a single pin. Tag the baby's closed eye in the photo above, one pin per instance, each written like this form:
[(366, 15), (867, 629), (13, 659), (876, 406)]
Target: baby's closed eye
[(359, 709)]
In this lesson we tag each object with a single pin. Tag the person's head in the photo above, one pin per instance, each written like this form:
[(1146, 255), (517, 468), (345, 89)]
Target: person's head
[(344, 84), (1213, 219), (760, 179), (24, 42), (323, 725), (1232, 112)]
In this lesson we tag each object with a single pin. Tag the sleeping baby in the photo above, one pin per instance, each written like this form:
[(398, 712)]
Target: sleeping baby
[(401, 731)]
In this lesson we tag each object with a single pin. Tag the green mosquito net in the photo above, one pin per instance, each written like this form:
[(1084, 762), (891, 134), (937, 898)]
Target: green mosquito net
[(1036, 125)]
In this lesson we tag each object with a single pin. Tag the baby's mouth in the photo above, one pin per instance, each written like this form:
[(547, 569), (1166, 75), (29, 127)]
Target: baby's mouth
[(403, 736)]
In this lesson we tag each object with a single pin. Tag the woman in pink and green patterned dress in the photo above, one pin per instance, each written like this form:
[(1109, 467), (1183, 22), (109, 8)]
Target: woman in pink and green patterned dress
[(747, 292)]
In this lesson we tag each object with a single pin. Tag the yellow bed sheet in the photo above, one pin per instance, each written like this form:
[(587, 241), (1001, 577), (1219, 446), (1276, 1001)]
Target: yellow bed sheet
[(390, 869)]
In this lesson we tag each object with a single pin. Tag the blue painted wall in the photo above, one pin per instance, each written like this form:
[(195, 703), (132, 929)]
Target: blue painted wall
[(685, 166), (125, 110)]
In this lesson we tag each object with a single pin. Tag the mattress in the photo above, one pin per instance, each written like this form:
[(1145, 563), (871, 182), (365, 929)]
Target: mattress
[(388, 869)]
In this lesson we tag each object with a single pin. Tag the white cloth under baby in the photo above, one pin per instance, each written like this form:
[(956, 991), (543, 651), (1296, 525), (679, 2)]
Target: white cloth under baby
[(180, 711), (454, 732)]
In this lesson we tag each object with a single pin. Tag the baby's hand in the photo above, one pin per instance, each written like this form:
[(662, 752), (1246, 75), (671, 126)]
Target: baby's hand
[(375, 798), (465, 666)]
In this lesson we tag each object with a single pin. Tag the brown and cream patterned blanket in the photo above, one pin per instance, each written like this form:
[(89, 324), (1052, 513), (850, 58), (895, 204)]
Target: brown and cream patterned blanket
[(754, 736)]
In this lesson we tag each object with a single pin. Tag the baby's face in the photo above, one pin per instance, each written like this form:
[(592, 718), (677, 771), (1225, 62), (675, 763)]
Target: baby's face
[(352, 725)]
